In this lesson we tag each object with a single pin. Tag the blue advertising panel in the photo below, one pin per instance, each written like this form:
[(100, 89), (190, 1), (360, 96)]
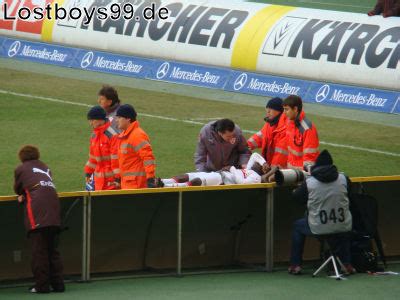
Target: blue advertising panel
[(396, 107), (189, 74), (38, 52), (2, 53), (112, 63), (351, 97), (266, 85)]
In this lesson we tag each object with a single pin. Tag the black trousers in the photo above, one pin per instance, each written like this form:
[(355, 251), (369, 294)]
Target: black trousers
[(47, 267)]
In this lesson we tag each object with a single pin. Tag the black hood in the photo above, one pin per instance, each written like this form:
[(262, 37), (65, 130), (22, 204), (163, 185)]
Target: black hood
[(328, 173), (324, 170)]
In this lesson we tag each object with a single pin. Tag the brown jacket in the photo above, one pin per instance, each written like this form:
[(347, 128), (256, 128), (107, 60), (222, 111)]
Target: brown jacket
[(41, 205), (387, 7)]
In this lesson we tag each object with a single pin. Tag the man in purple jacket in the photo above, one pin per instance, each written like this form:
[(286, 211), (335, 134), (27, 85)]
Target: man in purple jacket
[(36, 191), (221, 145)]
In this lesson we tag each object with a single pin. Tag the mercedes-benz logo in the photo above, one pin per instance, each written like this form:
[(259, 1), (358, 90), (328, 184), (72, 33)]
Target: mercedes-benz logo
[(240, 82), (87, 60), (14, 48), (162, 70), (322, 93)]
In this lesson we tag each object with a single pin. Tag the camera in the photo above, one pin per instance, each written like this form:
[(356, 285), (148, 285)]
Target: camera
[(290, 176)]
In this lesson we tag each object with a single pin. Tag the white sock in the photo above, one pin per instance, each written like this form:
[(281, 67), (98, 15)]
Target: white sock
[(176, 184), (168, 181)]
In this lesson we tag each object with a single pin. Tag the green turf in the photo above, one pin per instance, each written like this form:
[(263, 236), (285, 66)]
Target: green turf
[(361, 6), (61, 130), (276, 285), (190, 91)]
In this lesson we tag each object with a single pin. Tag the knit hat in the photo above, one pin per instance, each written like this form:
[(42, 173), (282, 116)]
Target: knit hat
[(324, 159), (126, 111), (275, 104), (96, 113)]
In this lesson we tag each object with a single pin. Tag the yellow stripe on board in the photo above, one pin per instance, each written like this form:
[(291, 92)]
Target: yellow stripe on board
[(48, 25), (251, 37), (195, 188)]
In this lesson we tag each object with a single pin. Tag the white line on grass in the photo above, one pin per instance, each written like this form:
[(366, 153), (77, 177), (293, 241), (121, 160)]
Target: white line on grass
[(193, 122), (207, 119)]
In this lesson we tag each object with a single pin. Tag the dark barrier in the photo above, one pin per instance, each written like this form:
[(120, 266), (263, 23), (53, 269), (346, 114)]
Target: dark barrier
[(132, 233), (180, 230), (223, 228), (15, 252), (164, 231)]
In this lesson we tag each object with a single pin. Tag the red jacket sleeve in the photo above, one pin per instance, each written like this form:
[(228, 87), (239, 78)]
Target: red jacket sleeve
[(114, 145), (310, 147), (145, 152), (90, 164), (255, 141)]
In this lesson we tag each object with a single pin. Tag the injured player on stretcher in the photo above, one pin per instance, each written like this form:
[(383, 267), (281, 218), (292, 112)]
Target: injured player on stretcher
[(229, 175)]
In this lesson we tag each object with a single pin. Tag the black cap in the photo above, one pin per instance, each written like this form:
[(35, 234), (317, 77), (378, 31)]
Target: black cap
[(96, 113), (126, 111), (275, 104)]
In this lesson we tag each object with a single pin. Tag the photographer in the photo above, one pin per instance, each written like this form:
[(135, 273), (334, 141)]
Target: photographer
[(325, 193)]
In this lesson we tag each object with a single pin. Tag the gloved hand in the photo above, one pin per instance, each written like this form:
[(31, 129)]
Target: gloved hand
[(151, 183)]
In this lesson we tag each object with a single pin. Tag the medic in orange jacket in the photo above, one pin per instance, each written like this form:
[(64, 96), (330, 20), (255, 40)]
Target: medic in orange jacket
[(103, 151), (136, 160), (302, 135), (272, 137)]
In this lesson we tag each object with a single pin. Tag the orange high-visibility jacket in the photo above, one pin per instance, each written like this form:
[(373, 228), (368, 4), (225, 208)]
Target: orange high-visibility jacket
[(136, 159), (103, 157), (303, 142), (273, 142)]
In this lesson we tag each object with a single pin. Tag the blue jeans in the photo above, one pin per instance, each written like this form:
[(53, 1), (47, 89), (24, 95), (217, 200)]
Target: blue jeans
[(301, 229)]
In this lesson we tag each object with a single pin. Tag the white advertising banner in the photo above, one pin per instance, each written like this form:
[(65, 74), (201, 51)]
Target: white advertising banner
[(304, 43)]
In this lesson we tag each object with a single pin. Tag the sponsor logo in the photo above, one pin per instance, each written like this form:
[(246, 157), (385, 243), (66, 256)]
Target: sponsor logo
[(162, 70), (117, 65), (196, 76), (342, 95), (37, 170), (322, 93), (362, 99), (240, 82), (335, 41), (47, 184), (87, 59), (273, 86), (43, 53), (281, 35), (14, 48), (188, 23)]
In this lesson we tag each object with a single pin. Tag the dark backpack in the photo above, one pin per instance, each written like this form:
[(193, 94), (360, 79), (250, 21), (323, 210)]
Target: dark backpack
[(364, 210)]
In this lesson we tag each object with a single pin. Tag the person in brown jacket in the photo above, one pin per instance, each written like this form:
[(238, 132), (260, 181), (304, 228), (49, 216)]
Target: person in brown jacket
[(387, 8), (221, 145), (36, 192)]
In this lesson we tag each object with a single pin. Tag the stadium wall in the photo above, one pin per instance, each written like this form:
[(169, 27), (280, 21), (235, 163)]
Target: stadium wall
[(319, 45), (179, 230)]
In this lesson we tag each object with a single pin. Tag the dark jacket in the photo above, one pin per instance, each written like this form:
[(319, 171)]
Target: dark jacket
[(324, 172), (41, 205), (389, 8), (213, 153)]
